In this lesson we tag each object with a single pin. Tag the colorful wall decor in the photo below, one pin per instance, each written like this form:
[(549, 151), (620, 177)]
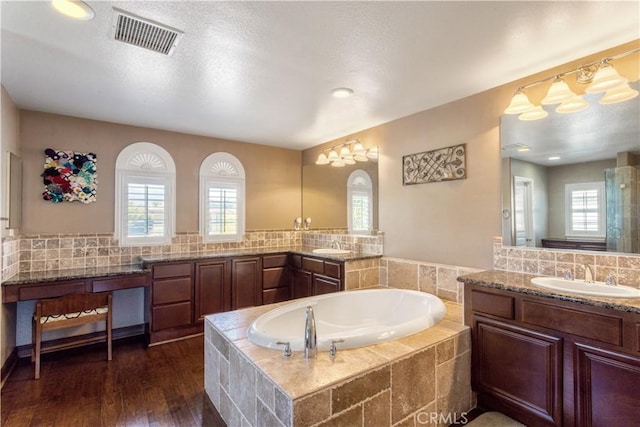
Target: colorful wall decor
[(69, 176), (443, 164)]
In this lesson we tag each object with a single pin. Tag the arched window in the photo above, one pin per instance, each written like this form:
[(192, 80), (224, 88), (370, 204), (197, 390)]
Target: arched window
[(145, 195), (360, 202), (222, 207)]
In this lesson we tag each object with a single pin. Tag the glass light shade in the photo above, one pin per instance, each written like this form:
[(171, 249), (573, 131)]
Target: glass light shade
[(333, 156), (519, 104), (572, 105), (535, 113), (358, 149), (344, 151), (322, 159), (349, 160), (605, 78), (74, 9), (618, 94), (341, 92), (338, 163), (558, 92), (360, 157), (373, 153)]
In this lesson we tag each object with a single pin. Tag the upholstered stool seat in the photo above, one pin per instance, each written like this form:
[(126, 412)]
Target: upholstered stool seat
[(68, 311)]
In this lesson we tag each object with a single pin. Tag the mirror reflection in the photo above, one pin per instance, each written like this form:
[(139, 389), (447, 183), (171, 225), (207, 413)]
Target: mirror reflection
[(325, 190), (572, 181)]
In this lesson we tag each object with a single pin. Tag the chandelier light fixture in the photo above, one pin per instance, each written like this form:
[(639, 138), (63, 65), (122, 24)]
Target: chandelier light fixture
[(600, 76), (347, 153)]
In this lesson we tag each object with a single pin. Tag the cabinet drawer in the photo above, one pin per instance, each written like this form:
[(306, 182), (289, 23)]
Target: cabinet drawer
[(172, 290), (170, 316), (51, 291), (270, 261), (271, 296), (313, 265), (496, 305), (325, 285), (133, 281), (171, 270), (275, 277), (599, 327), (332, 269)]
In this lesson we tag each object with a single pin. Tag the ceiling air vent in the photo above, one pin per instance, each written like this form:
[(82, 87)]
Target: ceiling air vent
[(141, 32)]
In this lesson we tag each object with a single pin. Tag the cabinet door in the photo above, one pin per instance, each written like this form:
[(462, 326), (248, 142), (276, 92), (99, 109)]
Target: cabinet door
[(518, 371), (246, 283), (213, 282), (300, 284), (325, 285), (606, 388)]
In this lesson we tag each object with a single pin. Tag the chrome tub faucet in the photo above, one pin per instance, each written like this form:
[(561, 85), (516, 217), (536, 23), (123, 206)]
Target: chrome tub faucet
[(310, 339)]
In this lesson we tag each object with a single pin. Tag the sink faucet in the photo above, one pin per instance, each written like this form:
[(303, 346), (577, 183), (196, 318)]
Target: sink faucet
[(588, 274), (335, 244), (310, 341)]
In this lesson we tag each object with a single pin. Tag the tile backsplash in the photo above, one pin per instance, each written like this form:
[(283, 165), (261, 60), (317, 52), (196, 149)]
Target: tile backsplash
[(624, 268), (30, 253)]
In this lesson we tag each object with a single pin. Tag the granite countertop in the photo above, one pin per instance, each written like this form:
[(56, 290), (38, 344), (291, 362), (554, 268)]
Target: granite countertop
[(146, 259), (521, 283), (24, 278)]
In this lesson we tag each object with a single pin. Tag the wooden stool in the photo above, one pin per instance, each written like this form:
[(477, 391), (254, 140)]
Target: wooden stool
[(65, 312)]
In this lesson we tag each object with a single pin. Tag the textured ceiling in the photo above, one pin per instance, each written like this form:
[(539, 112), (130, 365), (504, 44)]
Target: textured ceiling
[(262, 71)]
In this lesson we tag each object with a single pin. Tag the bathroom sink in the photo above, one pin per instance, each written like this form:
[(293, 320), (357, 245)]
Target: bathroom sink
[(331, 251), (581, 287)]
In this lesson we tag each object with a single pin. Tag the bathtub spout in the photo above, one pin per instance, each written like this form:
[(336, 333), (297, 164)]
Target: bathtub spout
[(310, 341)]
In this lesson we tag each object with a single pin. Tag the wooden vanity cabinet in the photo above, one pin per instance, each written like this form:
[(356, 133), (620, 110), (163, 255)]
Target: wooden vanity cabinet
[(314, 276), (544, 361), (212, 287), (276, 281), (246, 282)]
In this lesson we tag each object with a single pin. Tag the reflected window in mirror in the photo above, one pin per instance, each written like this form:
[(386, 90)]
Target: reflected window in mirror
[(360, 202), (585, 210)]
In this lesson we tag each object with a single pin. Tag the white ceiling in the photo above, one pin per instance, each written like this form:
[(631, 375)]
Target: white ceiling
[(262, 71)]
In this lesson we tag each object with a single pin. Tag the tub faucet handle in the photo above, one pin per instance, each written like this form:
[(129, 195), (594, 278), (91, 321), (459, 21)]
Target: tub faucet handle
[(333, 349), (287, 348)]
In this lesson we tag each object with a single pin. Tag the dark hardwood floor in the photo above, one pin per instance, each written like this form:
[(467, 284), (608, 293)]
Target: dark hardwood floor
[(156, 386)]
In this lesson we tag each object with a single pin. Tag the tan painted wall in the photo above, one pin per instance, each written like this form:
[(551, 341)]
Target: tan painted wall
[(540, 212), (10, 142), (454, 222), (273, 179)]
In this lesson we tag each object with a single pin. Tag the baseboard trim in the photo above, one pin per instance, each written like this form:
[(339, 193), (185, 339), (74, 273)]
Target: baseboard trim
[(8, 366), (24, 351)]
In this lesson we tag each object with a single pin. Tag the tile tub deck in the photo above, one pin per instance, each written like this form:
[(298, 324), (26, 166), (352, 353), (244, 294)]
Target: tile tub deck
[(421, 379)]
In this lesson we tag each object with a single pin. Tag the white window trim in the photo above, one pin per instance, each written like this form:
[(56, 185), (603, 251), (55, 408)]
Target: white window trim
[(144, 162), (232, 175), (601, 233), (353, 188)]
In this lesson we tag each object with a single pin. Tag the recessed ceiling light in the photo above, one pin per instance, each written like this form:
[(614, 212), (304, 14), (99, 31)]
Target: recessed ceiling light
[(341, 92), (74, 8), (523, 149), (554, 158)]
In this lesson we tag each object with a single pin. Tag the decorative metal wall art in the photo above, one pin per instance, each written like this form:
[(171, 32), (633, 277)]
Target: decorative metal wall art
[(69, 176), (443, 164)]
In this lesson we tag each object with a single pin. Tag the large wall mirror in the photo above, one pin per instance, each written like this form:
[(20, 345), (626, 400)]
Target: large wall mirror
[(324, 193), (572, 181)]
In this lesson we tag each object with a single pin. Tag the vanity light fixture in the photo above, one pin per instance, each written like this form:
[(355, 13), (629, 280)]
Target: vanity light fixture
[(602, 78), (347, 153), (74, 8)]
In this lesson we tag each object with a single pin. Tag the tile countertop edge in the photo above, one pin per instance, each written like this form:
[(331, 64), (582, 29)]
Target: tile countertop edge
[(521, 283)]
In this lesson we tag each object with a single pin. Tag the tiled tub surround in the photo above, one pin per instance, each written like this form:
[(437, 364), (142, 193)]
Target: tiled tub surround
[(437, 279), (552, 262), (65, 251), (404, 382)]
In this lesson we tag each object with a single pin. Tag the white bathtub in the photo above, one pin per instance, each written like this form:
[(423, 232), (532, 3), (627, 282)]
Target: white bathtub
[(360, 318)]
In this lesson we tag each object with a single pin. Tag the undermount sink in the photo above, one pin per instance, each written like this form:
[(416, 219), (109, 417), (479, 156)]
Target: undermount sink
[(331, 251), (583, 288)]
